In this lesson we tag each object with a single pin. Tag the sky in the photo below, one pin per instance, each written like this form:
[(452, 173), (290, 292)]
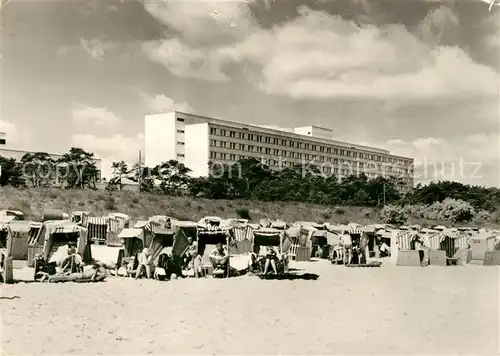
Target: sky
[(420, 78)]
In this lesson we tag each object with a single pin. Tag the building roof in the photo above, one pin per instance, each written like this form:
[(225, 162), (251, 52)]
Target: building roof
[(313, 139)]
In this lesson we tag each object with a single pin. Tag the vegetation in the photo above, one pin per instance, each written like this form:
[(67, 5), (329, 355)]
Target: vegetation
[(247, 189)]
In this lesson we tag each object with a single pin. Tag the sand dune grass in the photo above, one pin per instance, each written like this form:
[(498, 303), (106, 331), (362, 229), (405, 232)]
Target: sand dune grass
[(140, 206)]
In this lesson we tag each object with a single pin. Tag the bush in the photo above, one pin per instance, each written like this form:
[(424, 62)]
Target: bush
[(243, 213), (453, 210), (339, 211), (395, 215)]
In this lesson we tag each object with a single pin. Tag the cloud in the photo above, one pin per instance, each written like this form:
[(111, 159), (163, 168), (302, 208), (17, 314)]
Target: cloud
[(472, 159), (111, 148), (321, 56), (87, 115), (185, 61), (336, 59), (95, 47), (16, 137), (162, 103), (212, 26)]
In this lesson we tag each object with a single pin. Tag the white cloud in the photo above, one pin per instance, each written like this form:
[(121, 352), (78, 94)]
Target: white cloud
[(162, 103), (333, 58), (94, 47), (322, 56), (471, 159), (112, 148), (87, 115), (211, 25), (16, 137), (185, 61)]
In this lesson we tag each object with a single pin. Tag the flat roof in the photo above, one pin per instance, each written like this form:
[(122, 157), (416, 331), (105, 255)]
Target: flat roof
[(13, 151), (290, 134)]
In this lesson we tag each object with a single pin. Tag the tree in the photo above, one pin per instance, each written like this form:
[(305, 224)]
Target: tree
[(173, 177), (144, 176), (10, 172), (79, 168), (38, 169), (120, 171)]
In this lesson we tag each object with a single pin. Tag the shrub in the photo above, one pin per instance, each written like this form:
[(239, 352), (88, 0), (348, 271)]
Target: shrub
[(326, 215), (453, 210), (339, 211), (110, 204), (243, 213), (392, 214)]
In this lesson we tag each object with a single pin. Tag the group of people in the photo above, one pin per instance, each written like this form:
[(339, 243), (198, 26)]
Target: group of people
[(69, 267), (271, 259), (348, 251), (168, 264)]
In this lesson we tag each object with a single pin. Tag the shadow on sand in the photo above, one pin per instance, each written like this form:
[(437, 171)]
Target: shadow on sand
[(290, 276)]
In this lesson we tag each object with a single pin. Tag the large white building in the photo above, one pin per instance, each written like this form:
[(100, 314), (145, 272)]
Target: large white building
[(196, 140)]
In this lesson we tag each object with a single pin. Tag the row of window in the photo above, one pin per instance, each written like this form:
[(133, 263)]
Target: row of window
[(276, 152), (301, 145), (283, 163)]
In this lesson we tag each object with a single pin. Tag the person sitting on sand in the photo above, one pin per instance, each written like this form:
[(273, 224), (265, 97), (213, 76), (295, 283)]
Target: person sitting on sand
[(144, 264), (219, 258), (190, 253), (254, 263), (72, 258), (271, 259), (196, 261)]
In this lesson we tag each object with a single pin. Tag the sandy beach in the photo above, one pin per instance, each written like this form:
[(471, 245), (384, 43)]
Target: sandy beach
[(388, 310)]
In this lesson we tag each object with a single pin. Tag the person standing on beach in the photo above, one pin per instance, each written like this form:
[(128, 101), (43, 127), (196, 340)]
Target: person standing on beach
[(347, 248), (144, 264)]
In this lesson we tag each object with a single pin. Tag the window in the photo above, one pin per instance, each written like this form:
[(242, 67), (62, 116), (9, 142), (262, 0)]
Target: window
[(180, 131), (180, 143), (180, 155), (180, 120), (213, 131), (232, 134)]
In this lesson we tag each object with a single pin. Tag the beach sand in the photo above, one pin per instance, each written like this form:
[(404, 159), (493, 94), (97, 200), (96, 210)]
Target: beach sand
[(388, 310)]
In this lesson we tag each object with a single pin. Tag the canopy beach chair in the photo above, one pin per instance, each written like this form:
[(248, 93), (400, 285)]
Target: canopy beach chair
[(270, 237), (210, 232)]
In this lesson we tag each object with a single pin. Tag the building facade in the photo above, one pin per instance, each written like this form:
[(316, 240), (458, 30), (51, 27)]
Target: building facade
[(196, 140)]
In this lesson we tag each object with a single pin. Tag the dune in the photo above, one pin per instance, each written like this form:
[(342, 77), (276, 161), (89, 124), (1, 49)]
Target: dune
[(387, 310)]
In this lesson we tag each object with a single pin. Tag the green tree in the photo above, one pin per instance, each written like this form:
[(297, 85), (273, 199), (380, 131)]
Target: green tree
[(120, 170), (38, 169), (79, 169), (173, 177), (10, 172)]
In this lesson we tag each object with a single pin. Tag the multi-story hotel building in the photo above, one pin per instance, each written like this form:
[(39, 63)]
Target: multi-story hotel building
[(196, 140)]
